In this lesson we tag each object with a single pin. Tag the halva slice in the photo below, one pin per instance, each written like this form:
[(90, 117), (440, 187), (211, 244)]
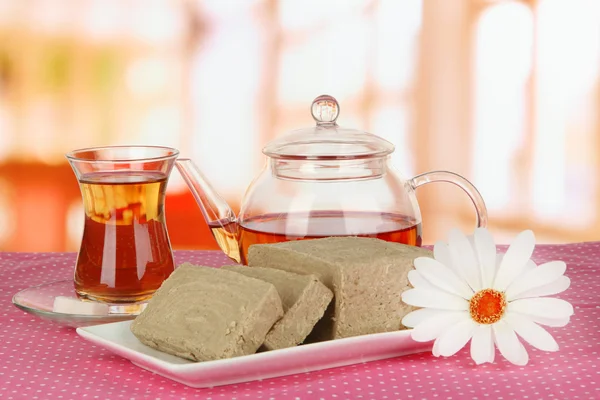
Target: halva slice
[(204, 313), (304, 300), (367, 277)]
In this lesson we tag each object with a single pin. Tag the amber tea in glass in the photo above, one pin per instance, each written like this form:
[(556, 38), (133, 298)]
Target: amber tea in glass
[(125, 252)]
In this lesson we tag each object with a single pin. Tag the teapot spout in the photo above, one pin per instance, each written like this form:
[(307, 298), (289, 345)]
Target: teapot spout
[(217, 213)]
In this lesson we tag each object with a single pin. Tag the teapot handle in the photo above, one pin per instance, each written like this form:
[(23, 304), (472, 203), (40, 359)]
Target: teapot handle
[(464, 184)]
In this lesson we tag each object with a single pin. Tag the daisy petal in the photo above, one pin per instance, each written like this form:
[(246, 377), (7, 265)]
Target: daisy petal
[(514, 260), (508, 344), (471, 239), (534, 334), (416, 317), (552, 322), (499, 258), (545, 307), (482, 345), (442, 254), (529, 266), (442, 277), (486, 255), (436, 348), (455, 338), (417, 280), (561, 284), (432, 328), (463, 259), (433, 298), (536, 277)]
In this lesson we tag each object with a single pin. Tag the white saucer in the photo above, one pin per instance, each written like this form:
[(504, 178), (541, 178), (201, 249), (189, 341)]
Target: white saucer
[(39, 301)]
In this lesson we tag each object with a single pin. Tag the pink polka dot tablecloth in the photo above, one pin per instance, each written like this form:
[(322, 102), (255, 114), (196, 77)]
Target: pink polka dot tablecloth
[(41, 360)]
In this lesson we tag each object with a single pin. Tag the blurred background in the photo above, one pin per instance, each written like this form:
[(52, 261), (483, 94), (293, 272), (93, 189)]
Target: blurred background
[(506, 93)]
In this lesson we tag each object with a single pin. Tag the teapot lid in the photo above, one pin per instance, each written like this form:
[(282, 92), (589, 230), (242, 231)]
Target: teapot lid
[(327, 140)]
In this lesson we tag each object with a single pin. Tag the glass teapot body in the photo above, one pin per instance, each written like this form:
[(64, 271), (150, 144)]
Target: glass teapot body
[(320, 182)]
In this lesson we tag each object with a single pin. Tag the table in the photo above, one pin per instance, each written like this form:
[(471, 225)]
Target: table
[(41, 360)]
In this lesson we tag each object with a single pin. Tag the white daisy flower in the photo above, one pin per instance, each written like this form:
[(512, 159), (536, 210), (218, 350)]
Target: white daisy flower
[(468, 292)]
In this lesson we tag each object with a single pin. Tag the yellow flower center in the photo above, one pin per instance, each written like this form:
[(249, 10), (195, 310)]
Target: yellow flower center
[(487, 306)]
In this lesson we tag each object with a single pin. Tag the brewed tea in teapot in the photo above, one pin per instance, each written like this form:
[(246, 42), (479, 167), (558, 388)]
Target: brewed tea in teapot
[(274, 228)]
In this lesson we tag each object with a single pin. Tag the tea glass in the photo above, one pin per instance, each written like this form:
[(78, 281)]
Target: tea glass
[(125, 252)]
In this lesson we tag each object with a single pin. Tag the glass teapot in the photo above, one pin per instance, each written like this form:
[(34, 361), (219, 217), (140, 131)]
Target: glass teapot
[(318, 182)]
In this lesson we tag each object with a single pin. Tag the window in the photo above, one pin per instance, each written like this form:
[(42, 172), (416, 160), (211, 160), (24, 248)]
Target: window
[(505, 93), (536, 114)]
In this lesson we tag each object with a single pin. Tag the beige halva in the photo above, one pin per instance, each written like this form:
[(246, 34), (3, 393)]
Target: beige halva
[(290, 293)]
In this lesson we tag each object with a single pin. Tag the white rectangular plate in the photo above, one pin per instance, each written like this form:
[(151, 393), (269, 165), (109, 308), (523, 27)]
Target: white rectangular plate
[(117, 338)]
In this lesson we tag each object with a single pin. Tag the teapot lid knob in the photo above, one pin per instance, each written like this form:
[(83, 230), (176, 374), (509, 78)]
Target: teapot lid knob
[(325, 110)]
